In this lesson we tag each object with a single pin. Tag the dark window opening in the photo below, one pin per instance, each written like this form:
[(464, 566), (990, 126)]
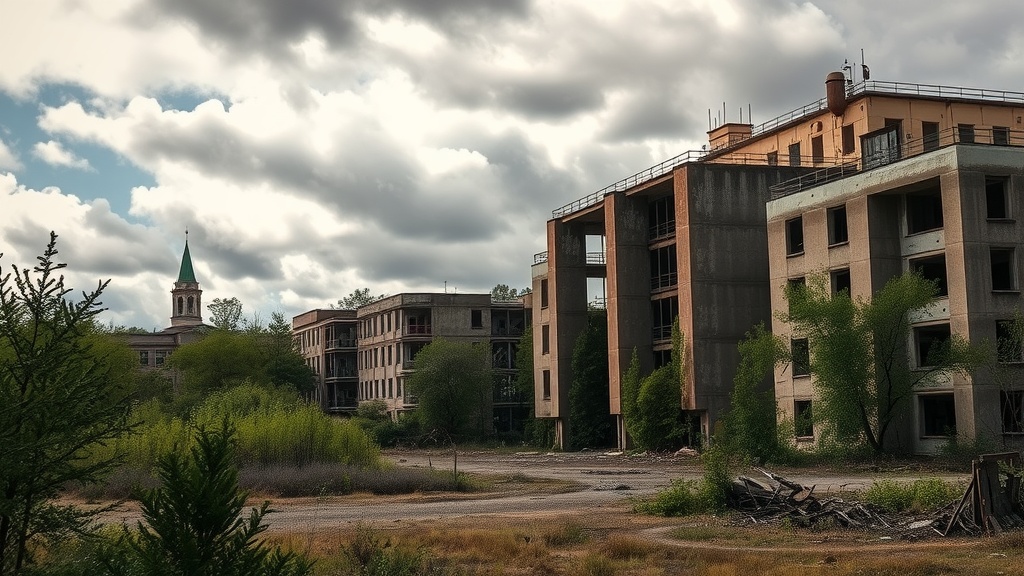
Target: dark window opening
[(965, 133), (801, 354), (938, 415), (838, 233), (795, 236), (662, 216), (1000, 135), (880, 148), (476, 318), (1011, 406), (932, 344), (841, 281), (1003, 270), (545, 339), (849, 139), (663, 267), (664, 312), (924, 211), (803, 419), (932, 268), (995, 197), (544, 293), (773, 158), (930, 135), (546, 390), (794, 154), (1009, 345), (662, 358), (817, 150)]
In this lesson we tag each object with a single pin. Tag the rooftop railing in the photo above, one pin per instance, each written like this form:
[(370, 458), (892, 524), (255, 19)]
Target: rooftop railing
[(593, 258), (907, 149)]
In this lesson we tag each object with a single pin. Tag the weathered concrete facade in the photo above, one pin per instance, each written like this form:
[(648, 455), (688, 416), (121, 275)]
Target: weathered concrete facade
[(326, 339)]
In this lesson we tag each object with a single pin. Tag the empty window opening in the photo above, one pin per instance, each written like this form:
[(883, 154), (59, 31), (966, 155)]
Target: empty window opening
[(803, 419), (801, 357), (1004, 274), (662, 215), (664, 312), (932, 268), (544, 293), (881, 147), (838, 233), (794, 154), (1009, 345), (773, 158), (792, 285), (938, 415), (476, 319), (924, 211), (1011, 406), (663, 267), (546, 390), (662, 358), (965, 133), (817, 150), (849, 139), (1000, 135), (932, 344), (795, 236), (930, 135), (841, 281), (545, 339), (996, 197)]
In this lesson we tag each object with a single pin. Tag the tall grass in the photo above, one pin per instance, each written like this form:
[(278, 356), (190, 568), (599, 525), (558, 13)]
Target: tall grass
[(271, 429)]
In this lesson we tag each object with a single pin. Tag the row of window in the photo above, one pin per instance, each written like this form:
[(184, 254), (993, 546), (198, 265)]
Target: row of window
[(159, 357), (380, 389)]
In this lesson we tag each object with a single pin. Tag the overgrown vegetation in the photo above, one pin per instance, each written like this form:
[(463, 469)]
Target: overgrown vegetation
[(589, 423), (751, 426), (452, 382), (921, 495), (687, 497), (651, 406)]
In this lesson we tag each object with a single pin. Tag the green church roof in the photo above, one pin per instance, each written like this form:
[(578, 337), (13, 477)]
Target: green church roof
[(186, 274)]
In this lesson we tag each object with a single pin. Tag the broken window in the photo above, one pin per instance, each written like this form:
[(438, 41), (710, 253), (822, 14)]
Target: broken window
[(773, 158), (938, 414), (1009, 347), (837, 230), (1004, 273), (924, 211), (1011, 406), (930, 135), (841, 281), (544, 293), (545, 339), (662, 358), (801, 356), (880, 147), (791, 285), (932, 344), (795, 236), (546, 390), (794, 154), (1000, 135), (932, 268), (965, 133), (817, 150), (996, 206), (849, 139), (662, 216), (803, 420), (143, 357), (664, 312), (663, 267), (476, 319)]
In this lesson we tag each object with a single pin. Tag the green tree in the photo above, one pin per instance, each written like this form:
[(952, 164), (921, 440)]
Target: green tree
[(751, 424), (862, 372), (226, 313), (194, 524), (62, 395), (505, 293), (452, 382), (358, 297), (651, 406), (538, 431), (589, 419)]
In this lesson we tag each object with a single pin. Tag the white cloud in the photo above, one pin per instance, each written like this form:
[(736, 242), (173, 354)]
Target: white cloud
[(8, 159), (54, 154)]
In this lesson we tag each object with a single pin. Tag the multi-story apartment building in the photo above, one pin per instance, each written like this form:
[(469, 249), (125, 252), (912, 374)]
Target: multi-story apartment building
[(691, 237), (368, 354), (326, 339)]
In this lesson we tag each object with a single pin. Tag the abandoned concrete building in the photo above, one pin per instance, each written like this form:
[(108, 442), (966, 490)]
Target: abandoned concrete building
[(368, 353), (898, 176)]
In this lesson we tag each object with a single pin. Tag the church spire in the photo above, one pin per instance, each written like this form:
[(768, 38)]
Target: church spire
[(186, 273)]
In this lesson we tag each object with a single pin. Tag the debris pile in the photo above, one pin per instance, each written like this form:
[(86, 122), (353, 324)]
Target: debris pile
[(991, 503)]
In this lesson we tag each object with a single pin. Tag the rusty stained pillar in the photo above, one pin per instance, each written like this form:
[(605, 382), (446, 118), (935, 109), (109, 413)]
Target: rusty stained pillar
[(628, 295)]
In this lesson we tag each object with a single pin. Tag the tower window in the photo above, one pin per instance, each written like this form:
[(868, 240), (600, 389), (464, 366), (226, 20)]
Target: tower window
[(181, 305)]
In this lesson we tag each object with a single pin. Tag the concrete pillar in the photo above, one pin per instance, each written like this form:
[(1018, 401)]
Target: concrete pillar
[(628, 296), (567, 310)]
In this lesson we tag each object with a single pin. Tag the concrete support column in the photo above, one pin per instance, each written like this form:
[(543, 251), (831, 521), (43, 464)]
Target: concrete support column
[(567, 310), (628, 296)]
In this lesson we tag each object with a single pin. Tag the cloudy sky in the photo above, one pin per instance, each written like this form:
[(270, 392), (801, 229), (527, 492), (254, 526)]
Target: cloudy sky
[(312, 147)]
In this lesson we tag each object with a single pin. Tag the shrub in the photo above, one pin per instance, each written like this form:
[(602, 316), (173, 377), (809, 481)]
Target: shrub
[(568, 534), (920, 495)]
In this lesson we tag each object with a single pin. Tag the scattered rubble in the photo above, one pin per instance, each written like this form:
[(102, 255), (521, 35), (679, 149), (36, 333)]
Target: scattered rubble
[(990, 504)]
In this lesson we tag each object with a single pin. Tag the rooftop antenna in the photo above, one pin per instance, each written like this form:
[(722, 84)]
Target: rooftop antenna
[(847, 69), (864, 70), (445, 286)]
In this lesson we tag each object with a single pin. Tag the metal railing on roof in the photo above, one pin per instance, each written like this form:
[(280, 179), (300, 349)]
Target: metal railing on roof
[(592, 258), (540, 257), (995, 136)]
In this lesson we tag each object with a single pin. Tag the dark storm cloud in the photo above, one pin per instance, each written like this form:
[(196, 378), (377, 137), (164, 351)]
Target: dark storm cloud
[(649, 115), (228, 257)]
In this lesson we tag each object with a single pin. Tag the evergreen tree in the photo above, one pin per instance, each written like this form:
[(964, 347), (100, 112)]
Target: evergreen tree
[(589, 418)]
